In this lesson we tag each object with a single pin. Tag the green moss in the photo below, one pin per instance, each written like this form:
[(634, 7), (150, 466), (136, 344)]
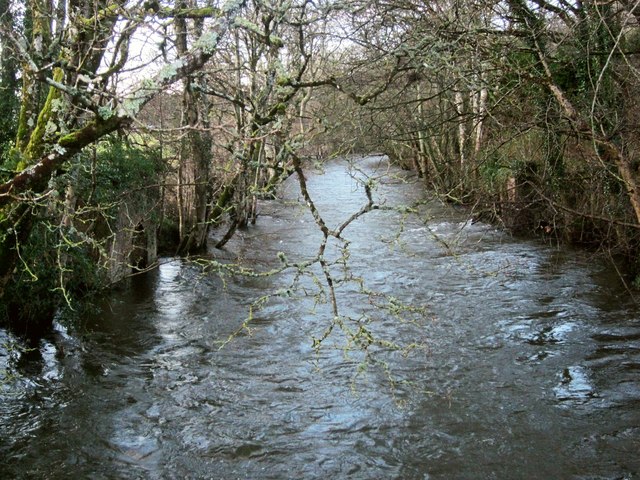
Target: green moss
[(276, 41), (90, 133), (109, 12), (45, 125), (201, 12), (25, 117), (283, 81)]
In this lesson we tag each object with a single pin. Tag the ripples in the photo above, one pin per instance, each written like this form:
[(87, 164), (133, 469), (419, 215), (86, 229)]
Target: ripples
[(575, 385), (526, 361)]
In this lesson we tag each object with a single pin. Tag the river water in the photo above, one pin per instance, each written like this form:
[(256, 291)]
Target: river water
[(525, 361)]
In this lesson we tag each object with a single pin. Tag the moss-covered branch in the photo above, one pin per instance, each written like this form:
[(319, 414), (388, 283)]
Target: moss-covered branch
[(36, 177), (196, 12)]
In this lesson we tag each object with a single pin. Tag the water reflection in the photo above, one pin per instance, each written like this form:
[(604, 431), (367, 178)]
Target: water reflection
[(575, 386)]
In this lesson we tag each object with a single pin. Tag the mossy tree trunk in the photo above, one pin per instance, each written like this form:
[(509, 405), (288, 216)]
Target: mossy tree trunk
[(38, 23)]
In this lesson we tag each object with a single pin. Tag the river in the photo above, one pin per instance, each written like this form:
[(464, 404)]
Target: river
[(525, 361)]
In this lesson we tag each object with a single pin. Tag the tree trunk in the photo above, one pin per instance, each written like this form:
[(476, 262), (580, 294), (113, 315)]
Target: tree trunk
[(194, 174), (462, 131), (194, 160), (479, 113)]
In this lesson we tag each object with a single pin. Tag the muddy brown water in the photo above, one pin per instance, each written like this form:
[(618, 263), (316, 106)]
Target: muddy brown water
[(527, 363)]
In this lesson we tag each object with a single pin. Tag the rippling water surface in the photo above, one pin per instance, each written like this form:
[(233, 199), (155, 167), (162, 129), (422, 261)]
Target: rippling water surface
[(526, 365)]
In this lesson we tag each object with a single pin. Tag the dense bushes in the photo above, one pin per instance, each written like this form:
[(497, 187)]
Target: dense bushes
[(110, 190)]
